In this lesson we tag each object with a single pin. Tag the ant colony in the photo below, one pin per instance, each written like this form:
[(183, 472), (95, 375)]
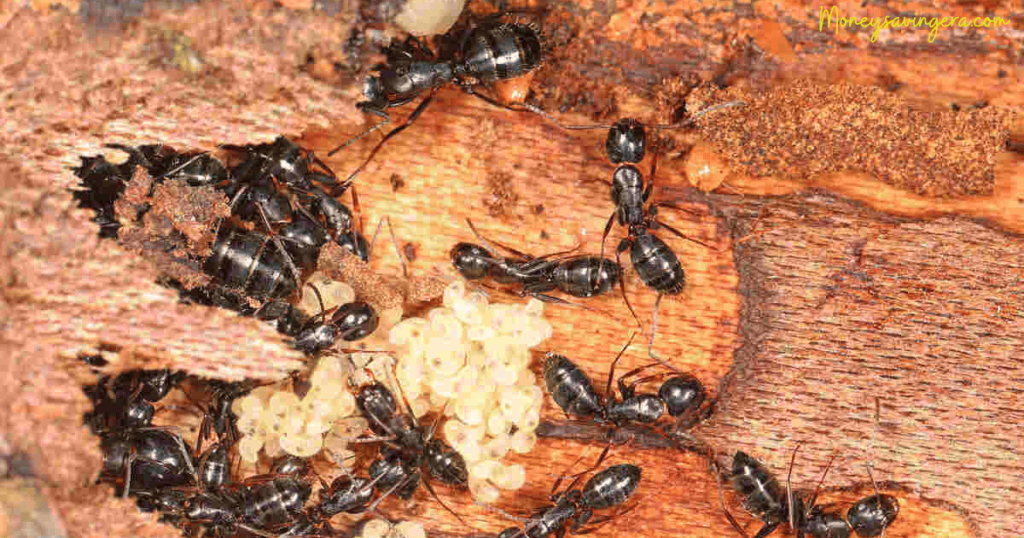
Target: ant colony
[(467, 360)]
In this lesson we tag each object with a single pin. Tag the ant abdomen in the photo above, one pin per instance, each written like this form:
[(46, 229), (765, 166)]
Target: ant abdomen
[(246, 261), (503, 51), (570, 387), (761, 493), (586, 276), (656, 264)]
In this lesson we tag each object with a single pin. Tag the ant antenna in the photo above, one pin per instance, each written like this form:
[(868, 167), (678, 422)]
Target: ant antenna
[(398, 251), (697, 115), (654, 331)]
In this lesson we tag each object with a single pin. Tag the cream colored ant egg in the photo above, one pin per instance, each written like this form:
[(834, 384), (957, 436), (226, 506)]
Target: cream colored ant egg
[(534, 307), (480, 333), (481, 470), (283, 402), (508, 476), (444, 324), (444, 361), (272, 446), (300, 445), (247, 424), (522, 441), (249, 448), (444, 387), (453, 293), (513, 404), (495, 449), (501, 375), (408, 330), (420, 406), (316, 426), (469, 411), (538, 331), (530, 420), (409, 529), (497, 424), (470, 449), (376, 528), (454, 431), (344, 404), (483, 491)]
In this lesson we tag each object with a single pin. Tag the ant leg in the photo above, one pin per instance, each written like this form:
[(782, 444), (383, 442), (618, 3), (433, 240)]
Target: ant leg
[(604, 236), (446, 507), (653, 211), (789, 487), (622, 280), (280, 248), (556, 300), (611, 371), (721, 499), (654, 331), (530, 108), (386, 119), (412, 117), (398, 251)]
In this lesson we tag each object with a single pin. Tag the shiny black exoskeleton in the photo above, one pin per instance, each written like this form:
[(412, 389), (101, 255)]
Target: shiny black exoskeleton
[(285, 161), (147, 459), (572, 509), (350, 322), (764, 497), (491, 51), (127, 403), (682, 395), (347, 494), (871, 515), (248, 261), (579, 276), (276, 502), (409, 451)]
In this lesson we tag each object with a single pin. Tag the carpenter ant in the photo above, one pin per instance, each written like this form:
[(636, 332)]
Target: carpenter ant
[(572, 509), (489, 52), (871, 515), (242, 260), (350, 322), (763, 497), (653, 260), (134, 393), (579, 276), (409, 451), (682, 395), (149, 458)]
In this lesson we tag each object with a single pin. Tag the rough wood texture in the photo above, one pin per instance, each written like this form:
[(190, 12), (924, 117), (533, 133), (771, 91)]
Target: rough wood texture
[(811, 306)]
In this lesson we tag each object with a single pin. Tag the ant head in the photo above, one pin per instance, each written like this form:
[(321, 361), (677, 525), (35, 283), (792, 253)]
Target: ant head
[(626, 141), (472, 261)]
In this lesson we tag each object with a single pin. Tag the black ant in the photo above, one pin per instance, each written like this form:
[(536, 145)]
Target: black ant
[(579, 276), (409, 449), (653, 260), (763, 497), (682, 396), (491, 51), (572, 509)]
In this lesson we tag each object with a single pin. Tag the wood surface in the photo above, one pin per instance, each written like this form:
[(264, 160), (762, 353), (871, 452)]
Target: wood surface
[(816, 298)]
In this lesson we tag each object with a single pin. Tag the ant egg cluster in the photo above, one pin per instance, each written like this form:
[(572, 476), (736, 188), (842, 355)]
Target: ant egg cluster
[(278, 420), (471, 358), (380, 528)]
